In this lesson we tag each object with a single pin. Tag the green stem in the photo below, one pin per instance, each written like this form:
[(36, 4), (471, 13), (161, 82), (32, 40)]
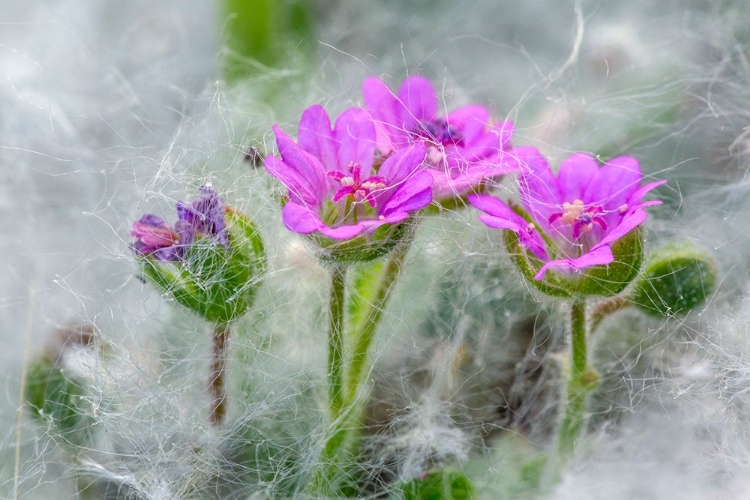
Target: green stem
[(218, 409), (604, 309), (366, 333), (582, 380), (336, 341)]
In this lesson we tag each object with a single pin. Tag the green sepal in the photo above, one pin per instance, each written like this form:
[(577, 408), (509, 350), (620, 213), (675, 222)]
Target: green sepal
[(677, 278), (58, 400), (366, 247), (438, 485), (217, 283), (605, 280)]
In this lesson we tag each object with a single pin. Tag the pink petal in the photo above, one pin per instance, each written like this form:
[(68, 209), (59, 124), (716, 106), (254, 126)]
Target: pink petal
[(300, 219), (470, 121), (380, 102), (355, 136), (403, 163), (577, 173), (412, 194), (343, 232), (306, 168), (636, 197), (629, 222), (315, 136), (299, 187), (619, 178), (539, 190), (418, 102), (595, 257)]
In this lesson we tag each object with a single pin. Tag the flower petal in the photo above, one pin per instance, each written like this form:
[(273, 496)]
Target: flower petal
[(300, 190), (381, 103), (539, 190), (635, 198), (577, 173), (412, 194), (315, 136), (595, 257), (418, 102), (306, 169), (354, 133), (470, 121), (629, 222), (403, 163), (618, 179), (300, 219)]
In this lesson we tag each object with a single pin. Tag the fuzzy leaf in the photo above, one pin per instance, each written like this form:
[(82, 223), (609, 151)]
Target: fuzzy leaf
[(677, 278), (58, 400)]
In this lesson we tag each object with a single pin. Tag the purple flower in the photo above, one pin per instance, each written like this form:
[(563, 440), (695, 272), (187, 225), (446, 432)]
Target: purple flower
[(575, 216), (203, 217), (463, 148), (333, 187)]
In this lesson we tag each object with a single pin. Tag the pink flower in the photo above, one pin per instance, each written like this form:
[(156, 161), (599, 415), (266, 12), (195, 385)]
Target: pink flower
[(463, 147), (333, 187), (577, 215)]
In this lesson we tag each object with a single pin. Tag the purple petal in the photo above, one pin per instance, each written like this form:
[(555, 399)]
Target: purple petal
[(470, 121), (635, 198), (629, 222), (412, 194), (306, 168), (418, 102), (380, 103), (300, 190), (576, 174), (355, 136), (539, 191), (496, 208), (300, 219), (343, 232), (595, 257), (403, 163), (619, 178), (315, 136)]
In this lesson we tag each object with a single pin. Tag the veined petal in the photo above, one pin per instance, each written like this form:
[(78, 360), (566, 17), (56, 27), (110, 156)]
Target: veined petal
[(470, 121), (629, 222), (635, 198), (343, 232), (381, 103), (577, 173), (538, 188), (300, 189), (595, 257), (308, 169), (300, 219), (496, 208), (403, 163), (355, 136), (315, 136), (418, 102), (619, 178), (412, 194)]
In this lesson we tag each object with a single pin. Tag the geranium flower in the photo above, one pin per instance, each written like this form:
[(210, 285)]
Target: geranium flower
[(463, 147), (572, 219), (334, 190), (202, 217)]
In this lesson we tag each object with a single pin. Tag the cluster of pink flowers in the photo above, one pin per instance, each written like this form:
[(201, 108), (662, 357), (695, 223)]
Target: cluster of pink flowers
[(377, 165)]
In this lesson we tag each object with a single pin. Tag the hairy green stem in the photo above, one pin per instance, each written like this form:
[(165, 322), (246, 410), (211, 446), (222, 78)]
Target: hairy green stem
[(366, 333), (581, 381), (336, 341), (604, 309), (218, 409)]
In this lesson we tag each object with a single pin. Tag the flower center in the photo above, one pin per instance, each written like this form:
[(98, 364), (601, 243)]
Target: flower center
[(354, 188), (582, 219), (439, 132)]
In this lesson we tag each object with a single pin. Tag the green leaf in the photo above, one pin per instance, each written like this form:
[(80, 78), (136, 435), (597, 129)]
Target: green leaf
[(58, 400), (677, 278), (439, 485)]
